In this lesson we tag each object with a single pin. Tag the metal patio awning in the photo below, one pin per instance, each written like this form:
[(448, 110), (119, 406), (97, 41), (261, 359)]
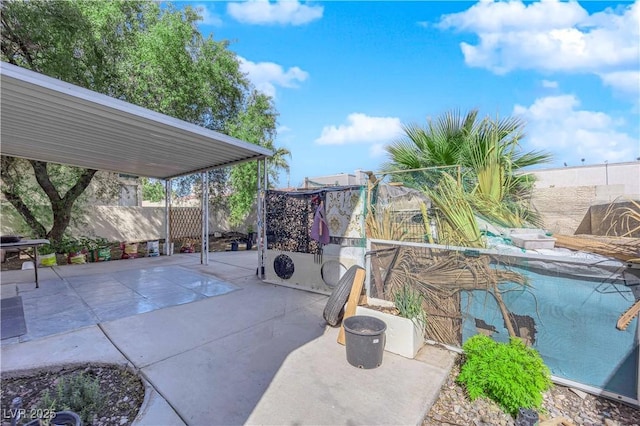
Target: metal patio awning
[(46, 119)]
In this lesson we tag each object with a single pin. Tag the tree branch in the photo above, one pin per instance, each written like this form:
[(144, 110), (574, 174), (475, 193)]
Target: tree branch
[(24, 211), (42, 176), (9, 34), (76, 190)]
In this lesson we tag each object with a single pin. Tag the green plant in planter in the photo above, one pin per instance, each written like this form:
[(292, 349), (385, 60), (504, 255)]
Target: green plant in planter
[(102, 242), (70, 245), (511, 374), (73, 248), (47, 255), (46, 249), (89, 243), (408, 302)]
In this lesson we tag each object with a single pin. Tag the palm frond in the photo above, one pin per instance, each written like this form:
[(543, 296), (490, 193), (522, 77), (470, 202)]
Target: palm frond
[(457, 225)]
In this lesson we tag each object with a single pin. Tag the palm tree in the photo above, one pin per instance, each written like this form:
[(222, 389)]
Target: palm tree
[(441, 143), (492, 157), (487, 150), (278, 162)]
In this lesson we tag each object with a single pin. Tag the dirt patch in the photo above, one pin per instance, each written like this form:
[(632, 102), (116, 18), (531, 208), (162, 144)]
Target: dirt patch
[(122, 389)]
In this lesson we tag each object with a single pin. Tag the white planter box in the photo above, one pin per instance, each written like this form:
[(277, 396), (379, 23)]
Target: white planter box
[(403, 336)]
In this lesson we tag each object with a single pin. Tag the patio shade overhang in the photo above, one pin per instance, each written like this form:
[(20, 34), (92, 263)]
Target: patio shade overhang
[(46, 119)]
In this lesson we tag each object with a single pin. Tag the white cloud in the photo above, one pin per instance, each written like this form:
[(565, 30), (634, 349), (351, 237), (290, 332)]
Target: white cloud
[(267, 75), (377, 150), (361, 128), (550, 84), (497, 17), (263, 12), (209, 17), (549, 36), (556, 124), (623, 81)]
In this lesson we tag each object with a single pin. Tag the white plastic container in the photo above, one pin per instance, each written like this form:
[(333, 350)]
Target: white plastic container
[(533, 241), (403, 336)]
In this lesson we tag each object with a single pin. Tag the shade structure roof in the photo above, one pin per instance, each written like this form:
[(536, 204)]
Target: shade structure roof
[(46, 119)]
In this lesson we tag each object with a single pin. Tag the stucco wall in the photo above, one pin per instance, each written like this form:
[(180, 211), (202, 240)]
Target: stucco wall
[(623, 178), (128, 223), (563, 196)]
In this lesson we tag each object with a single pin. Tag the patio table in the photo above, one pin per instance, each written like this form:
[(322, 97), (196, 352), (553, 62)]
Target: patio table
[(24, 245)]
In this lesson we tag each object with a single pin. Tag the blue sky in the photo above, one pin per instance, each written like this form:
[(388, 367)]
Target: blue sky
[(346, 75)]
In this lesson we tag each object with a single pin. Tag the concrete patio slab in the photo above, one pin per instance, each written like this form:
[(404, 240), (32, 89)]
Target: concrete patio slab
[(228, 376), (88, 344), (256, 353), (322, 388), (155, 411), (68, 302), (157, 335)]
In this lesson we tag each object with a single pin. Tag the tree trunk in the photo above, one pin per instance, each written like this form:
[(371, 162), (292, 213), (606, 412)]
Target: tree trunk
[(61, 206)]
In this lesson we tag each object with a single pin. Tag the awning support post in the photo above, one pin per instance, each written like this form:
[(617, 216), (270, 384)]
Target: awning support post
[(204, 252), (261, 231), (167, 217)]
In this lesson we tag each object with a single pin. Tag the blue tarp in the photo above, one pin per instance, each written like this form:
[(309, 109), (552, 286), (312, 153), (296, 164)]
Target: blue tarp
[(572, 323)]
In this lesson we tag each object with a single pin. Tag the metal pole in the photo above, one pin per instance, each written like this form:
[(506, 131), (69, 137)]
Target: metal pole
[(167, 217), (261, 216), (204, 250)]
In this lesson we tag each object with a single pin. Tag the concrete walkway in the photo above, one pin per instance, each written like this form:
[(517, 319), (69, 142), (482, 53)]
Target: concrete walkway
[(259, 355)]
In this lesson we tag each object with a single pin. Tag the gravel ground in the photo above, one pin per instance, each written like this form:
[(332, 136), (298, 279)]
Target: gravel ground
[(577, 408), (123, 390)]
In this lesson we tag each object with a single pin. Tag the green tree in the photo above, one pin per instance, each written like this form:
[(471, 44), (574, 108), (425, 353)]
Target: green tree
[(487, 151), (54, 38), (256, 124), (136, 51), (152, 190)]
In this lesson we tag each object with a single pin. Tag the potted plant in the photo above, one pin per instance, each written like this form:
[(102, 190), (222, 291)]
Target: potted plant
[(97, 249), (104, 251), (47, 255), (405, 330), (72, 247), (91, 248)]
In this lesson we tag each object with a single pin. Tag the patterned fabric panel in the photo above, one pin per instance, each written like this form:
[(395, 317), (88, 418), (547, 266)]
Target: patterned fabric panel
[(288, 221), (344, 211)]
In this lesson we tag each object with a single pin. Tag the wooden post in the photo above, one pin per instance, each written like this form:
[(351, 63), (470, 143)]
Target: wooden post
[(352, 302)]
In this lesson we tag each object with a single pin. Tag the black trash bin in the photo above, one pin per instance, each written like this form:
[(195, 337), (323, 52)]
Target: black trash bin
[(364, 339)]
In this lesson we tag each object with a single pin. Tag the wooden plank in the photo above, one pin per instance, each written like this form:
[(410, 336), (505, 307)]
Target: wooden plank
[(624, 252), (352, 302), (626, 318)]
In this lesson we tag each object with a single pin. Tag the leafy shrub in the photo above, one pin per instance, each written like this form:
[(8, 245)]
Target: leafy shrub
[(79, 393), (511, 374)]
